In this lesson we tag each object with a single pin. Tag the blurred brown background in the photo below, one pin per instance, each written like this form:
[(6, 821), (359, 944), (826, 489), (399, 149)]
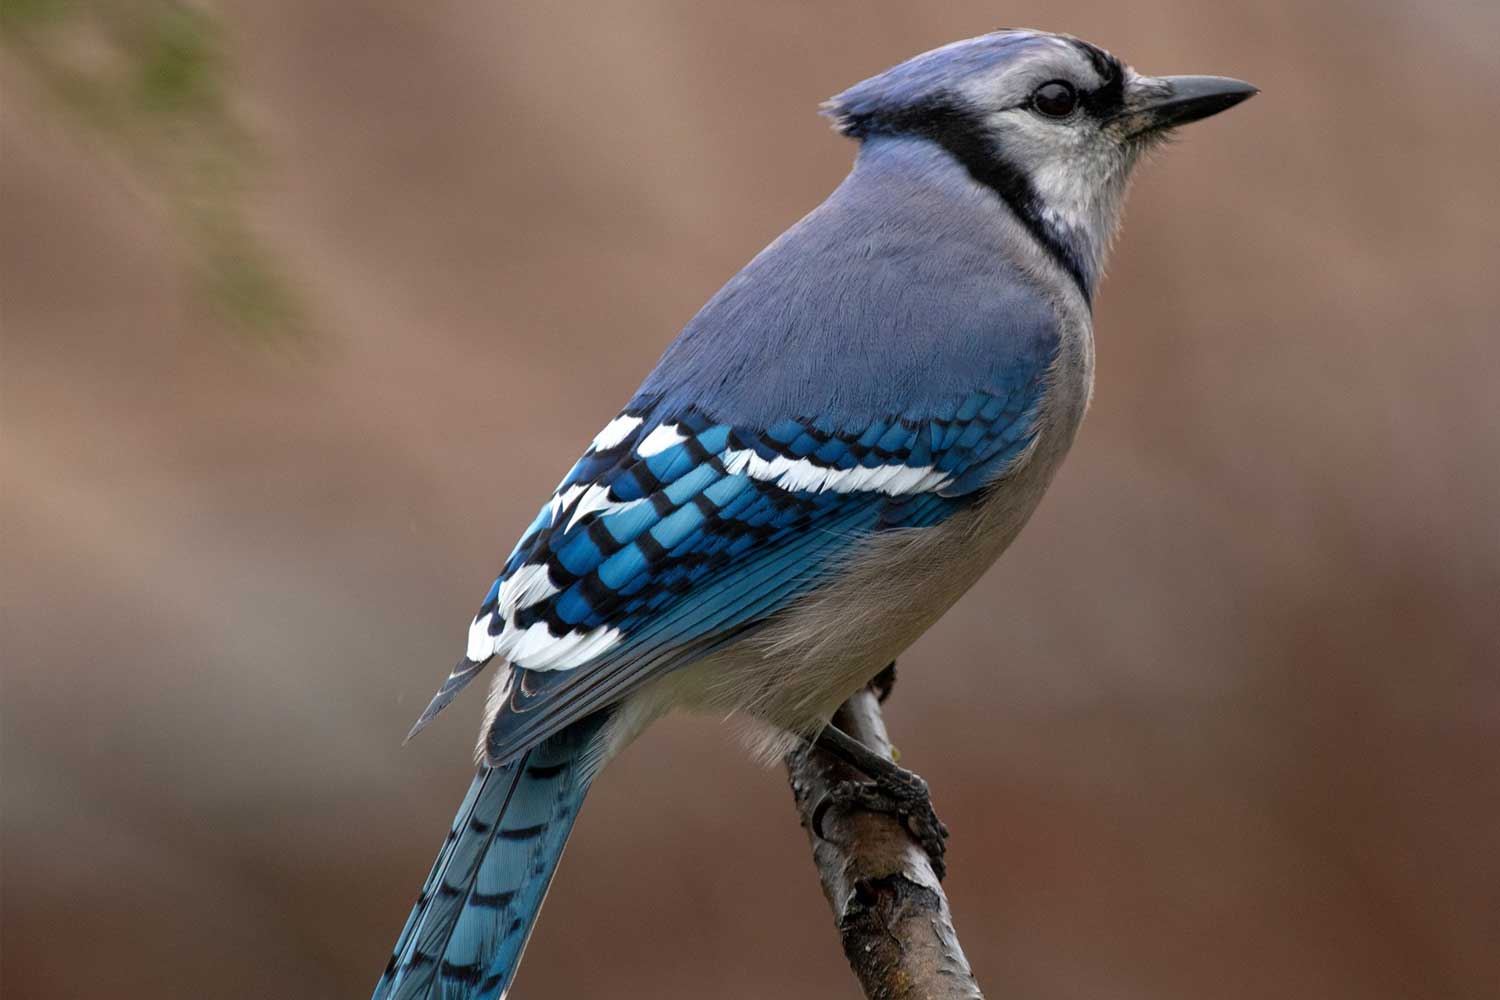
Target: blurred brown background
[(288, 367)]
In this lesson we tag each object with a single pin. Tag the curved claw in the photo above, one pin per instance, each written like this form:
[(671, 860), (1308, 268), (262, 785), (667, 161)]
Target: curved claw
[(910, 803), (819, 811), (932, 834)]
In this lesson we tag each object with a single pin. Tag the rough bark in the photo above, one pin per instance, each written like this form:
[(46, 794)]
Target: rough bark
[(887, 900)]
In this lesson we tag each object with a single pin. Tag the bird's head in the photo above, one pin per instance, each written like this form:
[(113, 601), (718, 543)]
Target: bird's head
[(1050, 122)]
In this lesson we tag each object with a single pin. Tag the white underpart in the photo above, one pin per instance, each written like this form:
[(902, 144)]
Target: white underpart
[(660, 440), (615, 431), (801, 474)]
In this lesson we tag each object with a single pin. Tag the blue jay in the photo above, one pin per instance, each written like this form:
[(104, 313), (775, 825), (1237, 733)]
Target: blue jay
[(830, 453)]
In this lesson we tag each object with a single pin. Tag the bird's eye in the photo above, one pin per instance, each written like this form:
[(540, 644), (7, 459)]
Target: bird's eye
[(1055, 99)]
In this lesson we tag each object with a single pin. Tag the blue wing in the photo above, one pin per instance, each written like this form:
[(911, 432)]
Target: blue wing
[(675, 534)]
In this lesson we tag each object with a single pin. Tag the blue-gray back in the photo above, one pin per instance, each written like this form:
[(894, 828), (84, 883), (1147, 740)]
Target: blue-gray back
[(893, 297)]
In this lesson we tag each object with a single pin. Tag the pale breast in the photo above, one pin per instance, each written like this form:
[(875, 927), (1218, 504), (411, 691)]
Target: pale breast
[(795, 671)]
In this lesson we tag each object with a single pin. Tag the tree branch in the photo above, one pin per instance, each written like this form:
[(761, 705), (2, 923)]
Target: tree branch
[(887, 901)]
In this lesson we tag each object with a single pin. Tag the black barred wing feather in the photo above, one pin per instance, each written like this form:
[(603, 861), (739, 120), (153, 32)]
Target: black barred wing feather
[(672, 536)]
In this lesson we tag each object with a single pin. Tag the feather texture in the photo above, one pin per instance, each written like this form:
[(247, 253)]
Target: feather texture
[(783, 425), (465, 935), (830, 453)]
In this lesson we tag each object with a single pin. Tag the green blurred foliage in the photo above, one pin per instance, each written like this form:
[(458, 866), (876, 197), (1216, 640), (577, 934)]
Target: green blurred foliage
[(152, 77)]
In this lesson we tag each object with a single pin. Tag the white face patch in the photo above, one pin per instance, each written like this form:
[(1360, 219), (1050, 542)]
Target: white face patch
[(1078, 174), (1076, 168), (1075, 186)]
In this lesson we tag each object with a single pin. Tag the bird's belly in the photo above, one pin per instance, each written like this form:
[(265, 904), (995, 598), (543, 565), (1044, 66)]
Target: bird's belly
[(788, 676), (795, 671)]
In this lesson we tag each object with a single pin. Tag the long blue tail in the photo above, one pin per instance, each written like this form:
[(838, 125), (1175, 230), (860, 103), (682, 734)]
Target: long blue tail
[(465, 936)]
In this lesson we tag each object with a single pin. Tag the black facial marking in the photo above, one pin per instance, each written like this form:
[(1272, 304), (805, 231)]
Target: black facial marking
[(1106, 100), (946, 121)]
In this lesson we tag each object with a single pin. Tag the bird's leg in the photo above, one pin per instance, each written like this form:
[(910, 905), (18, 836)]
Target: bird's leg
[(891, 789)]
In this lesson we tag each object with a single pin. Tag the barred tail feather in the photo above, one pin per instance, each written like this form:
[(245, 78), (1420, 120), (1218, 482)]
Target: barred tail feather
[(464, 938)]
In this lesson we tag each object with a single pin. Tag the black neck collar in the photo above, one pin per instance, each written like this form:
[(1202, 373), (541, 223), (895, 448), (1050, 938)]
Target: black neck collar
[(960, 133)]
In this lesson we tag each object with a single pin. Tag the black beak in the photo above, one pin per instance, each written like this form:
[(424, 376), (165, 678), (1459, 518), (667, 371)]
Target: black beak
[(1177, 100)]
